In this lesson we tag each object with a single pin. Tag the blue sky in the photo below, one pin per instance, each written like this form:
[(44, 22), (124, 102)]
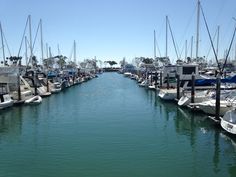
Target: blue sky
[(113, 29)]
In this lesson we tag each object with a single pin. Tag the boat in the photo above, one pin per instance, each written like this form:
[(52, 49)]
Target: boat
[(5, 101), (144, 83), (199, 97), (167, 94), (228, 121), (209, 106), (37, 83), (34, 100), (127, 74), (152, 87), (55, 87)]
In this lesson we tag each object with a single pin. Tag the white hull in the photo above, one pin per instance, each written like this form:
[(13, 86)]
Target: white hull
[(144, 83), (228, 122), (152, 87), (7, 102), (53, 90), (168, 94), (185, 100), (34, 100), (208, 107)]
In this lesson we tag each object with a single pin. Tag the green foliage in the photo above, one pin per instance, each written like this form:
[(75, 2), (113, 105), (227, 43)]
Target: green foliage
[(111, 63)]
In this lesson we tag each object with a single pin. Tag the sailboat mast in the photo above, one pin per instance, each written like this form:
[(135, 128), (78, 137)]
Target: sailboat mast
[(26, 51), (47, 50), (3, 51), (154, 45), (166, 36), (186, 49), (30, 35), (198, 21), (58, 50), (74, 52), (191, 47), (235, 52), (218, 35), (41, 31)]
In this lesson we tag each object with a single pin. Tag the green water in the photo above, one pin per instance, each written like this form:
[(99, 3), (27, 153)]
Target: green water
[(110, 127)]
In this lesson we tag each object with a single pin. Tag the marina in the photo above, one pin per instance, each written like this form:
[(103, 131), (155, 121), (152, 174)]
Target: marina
[(110, 126), (104, 89)]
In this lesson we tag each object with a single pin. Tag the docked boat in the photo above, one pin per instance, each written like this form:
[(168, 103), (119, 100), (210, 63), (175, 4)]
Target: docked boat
[(127, 74), (199, 97), (167, 94), (34, 100), (152, 87), (55, 87), (209, 107), (5, 101), (228, 121), (144, 83)]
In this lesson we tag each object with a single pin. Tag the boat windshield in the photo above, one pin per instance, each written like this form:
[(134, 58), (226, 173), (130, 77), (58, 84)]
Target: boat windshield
[(230, 116)]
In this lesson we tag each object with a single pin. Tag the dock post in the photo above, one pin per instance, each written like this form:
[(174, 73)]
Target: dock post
[(18, 87), (151, 78), (155, 79), (35, 84), (168, 81), (193, 88), (47, 85), (161, 79), (178, 86), (47, 81), (217, 106), (224, 74)]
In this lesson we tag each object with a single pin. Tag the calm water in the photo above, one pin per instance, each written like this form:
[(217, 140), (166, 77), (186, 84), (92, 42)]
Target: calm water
[(110, 127)]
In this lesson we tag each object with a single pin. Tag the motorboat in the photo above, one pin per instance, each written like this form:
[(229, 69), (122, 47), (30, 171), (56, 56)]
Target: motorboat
[(228, 121), (6, 101), (200, 96), (55, 87), (34, 100), (209, 107), (144, 83), (168, 94), (127, 74)]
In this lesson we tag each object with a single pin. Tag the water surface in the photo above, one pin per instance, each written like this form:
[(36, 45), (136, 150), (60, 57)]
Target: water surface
[(110, 127)]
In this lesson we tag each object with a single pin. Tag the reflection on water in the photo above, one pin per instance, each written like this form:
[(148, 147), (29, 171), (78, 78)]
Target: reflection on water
[(11, 121), (112, 127)]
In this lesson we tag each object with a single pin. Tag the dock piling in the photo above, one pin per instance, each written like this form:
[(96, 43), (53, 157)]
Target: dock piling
[(193, 88)]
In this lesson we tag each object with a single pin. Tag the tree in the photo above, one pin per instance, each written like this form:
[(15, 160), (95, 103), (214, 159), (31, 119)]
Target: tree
[(61, 60), (111, 63), (147, 60), (123, 63), (137, 61), (49, 62)]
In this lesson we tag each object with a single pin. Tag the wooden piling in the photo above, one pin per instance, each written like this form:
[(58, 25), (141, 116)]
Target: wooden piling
[(35, 84), (193, 88), (217, 106), (18, 87), (178, 86), (168, 81), (160, 79), (151, 78), (155, 79)]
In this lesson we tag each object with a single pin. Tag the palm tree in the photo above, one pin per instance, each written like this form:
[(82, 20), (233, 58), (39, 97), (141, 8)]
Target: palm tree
[(61, 61)]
